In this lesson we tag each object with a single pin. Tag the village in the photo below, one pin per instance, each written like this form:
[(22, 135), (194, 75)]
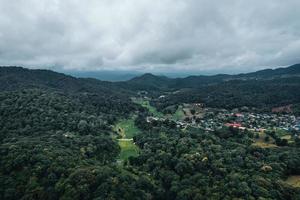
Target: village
[(210, 119)]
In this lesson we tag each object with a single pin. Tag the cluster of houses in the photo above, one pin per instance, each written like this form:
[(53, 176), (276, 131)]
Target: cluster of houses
[(213, 119), (210, 119)]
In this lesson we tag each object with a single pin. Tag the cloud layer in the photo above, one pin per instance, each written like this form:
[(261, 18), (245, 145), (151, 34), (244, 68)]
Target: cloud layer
[(150, 35)]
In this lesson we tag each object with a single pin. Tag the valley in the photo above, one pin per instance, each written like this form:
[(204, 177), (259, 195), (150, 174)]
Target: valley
[(126, 130), (152, 137)]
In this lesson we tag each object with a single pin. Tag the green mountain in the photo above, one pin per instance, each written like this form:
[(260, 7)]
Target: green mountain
[(17, 77), (150, 81), (263, 89)]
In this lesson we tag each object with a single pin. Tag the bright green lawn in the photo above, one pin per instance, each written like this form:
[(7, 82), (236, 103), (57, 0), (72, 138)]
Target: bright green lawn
[(147, 105), (127, 149), (179, 114), (127, 128)]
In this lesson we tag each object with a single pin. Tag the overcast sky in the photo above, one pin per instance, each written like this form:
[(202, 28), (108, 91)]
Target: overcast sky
[(150, 35)]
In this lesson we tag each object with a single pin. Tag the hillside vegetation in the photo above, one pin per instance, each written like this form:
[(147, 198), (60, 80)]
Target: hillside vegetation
[(69, 138)]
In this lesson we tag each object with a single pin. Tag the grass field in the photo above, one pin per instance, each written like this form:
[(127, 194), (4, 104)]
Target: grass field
[(178, 115), (260, 142), (287, 137), (128, 148), (146, 104), (264, 145), (284, 135), (126, 128), (293, 181), (281, 133)]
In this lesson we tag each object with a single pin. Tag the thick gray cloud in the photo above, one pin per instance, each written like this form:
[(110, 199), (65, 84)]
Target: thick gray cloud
[(150, 35)]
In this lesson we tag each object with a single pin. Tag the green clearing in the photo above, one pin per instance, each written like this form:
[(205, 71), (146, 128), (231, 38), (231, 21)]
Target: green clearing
[(294, 181), (260, 142), (264, 145), (179, 114), (126, 128), (128, 148), (146, 104), (287, 137), (281, 133)]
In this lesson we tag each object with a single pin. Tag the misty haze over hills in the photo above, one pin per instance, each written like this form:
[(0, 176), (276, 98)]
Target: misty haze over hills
[(127, 75), (123, 75)]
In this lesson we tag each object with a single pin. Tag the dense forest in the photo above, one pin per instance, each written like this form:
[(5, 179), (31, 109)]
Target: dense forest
[(192, 164), (263, 90), (48, 138), (263, 94), (57, 141), (56, 137)]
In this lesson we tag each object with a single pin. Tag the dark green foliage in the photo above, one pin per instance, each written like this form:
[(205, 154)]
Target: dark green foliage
[(44, 137), (262, 94), (151, 82), (263, 89), (57, 140), (216, 165), (296, 109), (105, 183), (278, 140), (267, 139)]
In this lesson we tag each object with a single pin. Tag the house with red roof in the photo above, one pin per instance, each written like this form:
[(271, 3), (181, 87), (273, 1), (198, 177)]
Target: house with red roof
[(234, 125)]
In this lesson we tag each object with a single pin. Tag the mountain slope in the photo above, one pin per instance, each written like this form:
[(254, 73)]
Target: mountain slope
[(149, 82), (152, 82), (293, 70), (105, 96), (12, 78)]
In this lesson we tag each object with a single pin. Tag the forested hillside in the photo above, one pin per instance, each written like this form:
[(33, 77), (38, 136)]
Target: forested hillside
[(152, 82), (49, 139), (264, 89), (12, 78), (60, 139), (191, 164), (261, 94), (56, 137)]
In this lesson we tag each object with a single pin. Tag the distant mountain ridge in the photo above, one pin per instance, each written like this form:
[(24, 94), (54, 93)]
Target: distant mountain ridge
[(264, 89), (12, 78), (150, 81), (112, 76), (16, 77)]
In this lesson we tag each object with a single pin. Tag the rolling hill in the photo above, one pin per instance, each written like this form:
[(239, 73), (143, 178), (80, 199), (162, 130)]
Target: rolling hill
[(152, 82), (264, 89)]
